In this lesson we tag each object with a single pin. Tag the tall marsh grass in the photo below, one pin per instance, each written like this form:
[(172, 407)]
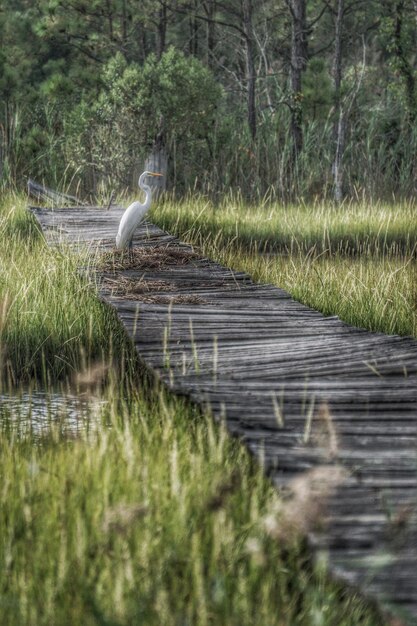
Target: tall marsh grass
[(150, 514), (51, 323), (153, 515), (354, 261), (67, 146), (353, 228)]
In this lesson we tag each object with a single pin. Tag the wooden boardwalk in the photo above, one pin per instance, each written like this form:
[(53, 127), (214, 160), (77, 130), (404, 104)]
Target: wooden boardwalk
[(302, 390)]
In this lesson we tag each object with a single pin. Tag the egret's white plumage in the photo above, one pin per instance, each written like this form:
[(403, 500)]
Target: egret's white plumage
[(134, 214)]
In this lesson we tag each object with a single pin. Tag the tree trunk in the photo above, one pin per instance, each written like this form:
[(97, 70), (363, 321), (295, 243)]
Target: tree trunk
[(250, 66), (337, 163), (339, 123), (157, 161), (110, 20), (162, 29), (210, 9), (299, 51), (403, 63), (124, 27), (193, 24)]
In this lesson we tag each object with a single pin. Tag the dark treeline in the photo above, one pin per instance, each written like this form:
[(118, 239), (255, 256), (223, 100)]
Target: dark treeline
[(293, 98)]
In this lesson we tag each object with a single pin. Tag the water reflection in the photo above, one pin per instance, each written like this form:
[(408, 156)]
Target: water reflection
[(37, 413)]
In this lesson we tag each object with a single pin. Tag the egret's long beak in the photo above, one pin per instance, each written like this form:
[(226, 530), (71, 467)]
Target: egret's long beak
[(154, 174)]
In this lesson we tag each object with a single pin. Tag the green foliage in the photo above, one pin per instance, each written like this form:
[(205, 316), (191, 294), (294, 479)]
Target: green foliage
[(87, 88), (174, 97), (397, 35), (317, 89)]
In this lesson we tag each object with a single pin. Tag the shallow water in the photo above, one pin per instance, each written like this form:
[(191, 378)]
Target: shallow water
[(37, 413)]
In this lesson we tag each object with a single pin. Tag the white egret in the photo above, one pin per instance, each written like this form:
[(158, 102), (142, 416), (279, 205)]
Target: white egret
[(134, 214)]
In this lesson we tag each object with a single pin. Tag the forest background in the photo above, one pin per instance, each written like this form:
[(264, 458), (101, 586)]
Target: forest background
[(279, 98)]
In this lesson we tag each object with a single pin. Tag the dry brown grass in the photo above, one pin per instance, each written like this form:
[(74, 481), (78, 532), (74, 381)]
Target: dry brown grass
[(123, 285), (180, 299), (147, 291), (304, 510), (120, 518), (145, 258), (325, 435), (89, 380)]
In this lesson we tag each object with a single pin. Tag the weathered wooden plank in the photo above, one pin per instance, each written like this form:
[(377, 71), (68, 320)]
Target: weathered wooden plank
[(300, 389)]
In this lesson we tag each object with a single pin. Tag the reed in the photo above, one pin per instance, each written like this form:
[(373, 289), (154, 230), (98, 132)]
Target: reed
[(350, 229), (148, 513), (54, 324), (378, 157), (356, 261), (151, 514)]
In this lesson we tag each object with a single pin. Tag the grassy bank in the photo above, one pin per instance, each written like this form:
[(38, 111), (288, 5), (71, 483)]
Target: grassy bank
[(350, 228), (357, 262), (50, 323), (152, 515)]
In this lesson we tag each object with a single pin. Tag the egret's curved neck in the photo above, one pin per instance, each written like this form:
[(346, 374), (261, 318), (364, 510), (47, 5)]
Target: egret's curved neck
[(146, 189)]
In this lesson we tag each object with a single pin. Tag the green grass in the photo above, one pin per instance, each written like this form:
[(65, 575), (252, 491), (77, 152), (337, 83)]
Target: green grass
[(377, 294), (357, 262), (50, 322), (152, 515), (350, 228)]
